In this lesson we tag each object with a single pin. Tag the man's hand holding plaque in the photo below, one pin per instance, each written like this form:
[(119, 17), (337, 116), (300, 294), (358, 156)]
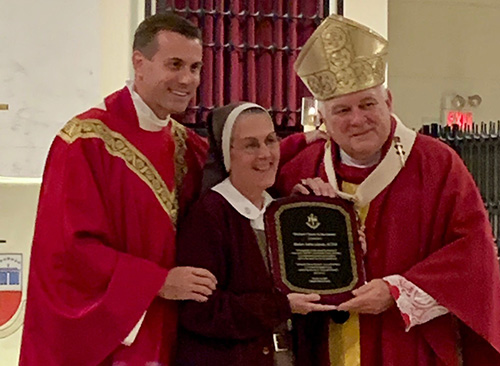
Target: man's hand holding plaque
[(314, 245)]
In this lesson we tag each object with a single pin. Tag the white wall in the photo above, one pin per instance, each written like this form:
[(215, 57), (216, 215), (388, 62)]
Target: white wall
[(59, 58), (372, 13), (442, 47), (49, 70)]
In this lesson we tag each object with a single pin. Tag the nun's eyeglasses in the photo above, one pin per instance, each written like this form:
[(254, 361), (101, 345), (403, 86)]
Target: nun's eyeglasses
[(252, 145)]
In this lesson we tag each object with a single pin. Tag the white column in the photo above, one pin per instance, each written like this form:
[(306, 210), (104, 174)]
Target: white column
[(118, 19), (333, 6)]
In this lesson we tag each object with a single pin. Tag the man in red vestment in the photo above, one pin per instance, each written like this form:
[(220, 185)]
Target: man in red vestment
[(117, 178), (432, 295)]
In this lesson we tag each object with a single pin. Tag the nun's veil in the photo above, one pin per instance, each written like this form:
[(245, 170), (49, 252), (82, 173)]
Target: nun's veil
[(220, 123)]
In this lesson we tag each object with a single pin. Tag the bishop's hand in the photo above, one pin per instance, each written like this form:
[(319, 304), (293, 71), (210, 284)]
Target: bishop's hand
[(373, 297), (315, 186)]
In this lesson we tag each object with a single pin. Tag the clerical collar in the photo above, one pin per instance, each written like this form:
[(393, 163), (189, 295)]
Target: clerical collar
[(242, 204), (148, 120), (348, 160), (383, 173)]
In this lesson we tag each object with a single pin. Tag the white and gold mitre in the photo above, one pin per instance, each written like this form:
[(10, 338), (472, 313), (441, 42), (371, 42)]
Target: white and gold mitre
[(342, 57)]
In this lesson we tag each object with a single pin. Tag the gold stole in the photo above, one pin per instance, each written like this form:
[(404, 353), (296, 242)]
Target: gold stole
[(344, 346)]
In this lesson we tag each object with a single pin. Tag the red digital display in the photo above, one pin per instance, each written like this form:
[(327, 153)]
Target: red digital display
[(460, 118)]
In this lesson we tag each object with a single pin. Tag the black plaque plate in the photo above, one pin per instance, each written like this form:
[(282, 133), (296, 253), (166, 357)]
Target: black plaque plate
[(314, 247)]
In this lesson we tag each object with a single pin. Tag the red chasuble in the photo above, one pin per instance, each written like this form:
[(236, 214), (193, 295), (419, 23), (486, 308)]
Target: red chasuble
[(104, 239), (430, 226)]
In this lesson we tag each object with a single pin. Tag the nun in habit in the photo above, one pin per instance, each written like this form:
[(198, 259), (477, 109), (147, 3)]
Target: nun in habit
[(246, 321)]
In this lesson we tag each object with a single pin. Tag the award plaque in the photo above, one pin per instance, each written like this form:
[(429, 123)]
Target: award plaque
[(314, 247)]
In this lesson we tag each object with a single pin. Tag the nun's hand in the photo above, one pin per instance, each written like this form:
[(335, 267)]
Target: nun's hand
[(315, 186), (306, 303)]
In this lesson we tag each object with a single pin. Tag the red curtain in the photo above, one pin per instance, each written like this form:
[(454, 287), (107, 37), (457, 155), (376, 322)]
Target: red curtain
[(249, 50)]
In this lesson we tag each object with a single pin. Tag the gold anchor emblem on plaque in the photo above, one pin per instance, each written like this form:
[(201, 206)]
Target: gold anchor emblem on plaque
[(312, 221)]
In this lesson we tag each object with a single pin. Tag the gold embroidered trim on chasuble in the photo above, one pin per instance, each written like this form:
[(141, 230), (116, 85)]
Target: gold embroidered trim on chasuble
[(117, 145), (179, 133)]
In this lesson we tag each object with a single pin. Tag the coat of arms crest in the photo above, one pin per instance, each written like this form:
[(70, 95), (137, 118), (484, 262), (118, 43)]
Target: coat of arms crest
[(11, 280)]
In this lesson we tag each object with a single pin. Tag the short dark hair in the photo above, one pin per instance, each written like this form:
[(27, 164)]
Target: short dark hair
[(145, 39)]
